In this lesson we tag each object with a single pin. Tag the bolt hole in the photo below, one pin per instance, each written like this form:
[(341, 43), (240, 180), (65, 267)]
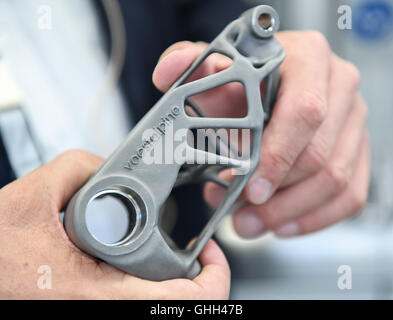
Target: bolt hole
[(266, 21), (235, 36)]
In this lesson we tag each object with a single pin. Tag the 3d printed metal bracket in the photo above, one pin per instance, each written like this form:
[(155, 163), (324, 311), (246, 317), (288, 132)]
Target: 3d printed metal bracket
[(147, 251)]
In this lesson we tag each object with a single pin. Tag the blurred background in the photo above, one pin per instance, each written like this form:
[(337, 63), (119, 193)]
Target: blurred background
[(307, 267)]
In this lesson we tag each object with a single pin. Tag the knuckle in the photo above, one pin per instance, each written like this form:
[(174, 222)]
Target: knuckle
[(176, 46), (337, 177), (315, 156), (268, 214), (363, 108), (353, 74), (312, 108), (278, 162), (80, 156), (75, 153), (317, 40)]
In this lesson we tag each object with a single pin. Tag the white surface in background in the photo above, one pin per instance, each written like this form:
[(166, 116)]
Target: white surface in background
[(11, 94)]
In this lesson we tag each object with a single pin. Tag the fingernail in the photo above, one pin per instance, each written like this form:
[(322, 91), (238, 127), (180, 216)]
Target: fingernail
[(168, 55), (248, 225), (290, 229), (260, 191), (156, 79)]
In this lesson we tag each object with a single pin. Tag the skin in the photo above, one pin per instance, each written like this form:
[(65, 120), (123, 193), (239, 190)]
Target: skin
[(31, 236), (314, 169)]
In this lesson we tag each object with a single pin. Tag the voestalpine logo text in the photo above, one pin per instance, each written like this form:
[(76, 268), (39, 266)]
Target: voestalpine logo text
[(154, 135)]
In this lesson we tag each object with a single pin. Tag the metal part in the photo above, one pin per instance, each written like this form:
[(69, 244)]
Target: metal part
[(148, 252)]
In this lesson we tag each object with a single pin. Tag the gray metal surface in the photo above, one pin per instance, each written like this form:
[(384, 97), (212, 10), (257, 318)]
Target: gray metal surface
[(147, 251)]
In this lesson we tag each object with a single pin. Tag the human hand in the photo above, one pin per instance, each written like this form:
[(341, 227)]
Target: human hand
[(314, 168), (31, 235)]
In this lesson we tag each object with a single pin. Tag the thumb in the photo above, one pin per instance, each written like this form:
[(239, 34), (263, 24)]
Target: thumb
[(174, 62), (65, 175)]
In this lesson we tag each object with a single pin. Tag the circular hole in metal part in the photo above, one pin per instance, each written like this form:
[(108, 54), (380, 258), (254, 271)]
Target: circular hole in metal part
[(235, 36), (113, 217), (266, 22)]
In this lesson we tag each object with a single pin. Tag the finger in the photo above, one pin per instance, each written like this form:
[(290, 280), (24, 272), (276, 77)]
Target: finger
[(65, 175), (343, 86), (176, 46), (178, 58), (212, 283), (228, 100), (174, 62), (213, 193), (214, 279), (356, 122), (314, 191), (341, 207), (300, 110)]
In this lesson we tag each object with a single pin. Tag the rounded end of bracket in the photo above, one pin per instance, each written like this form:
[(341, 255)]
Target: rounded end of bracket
[(120, 194), (265, 21)]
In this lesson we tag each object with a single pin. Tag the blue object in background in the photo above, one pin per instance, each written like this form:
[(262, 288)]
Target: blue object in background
[(373, 19)]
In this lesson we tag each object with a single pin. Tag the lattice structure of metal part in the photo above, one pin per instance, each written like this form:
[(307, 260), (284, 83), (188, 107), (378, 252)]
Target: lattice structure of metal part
[(147, 251)]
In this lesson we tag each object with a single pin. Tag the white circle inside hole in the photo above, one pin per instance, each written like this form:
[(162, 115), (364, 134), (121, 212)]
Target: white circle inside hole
[(108, 219)]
